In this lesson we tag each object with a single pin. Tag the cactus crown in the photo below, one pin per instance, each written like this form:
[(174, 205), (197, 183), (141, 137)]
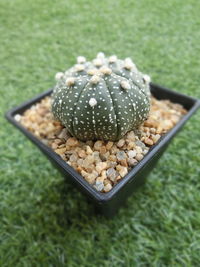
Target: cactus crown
[(101, 99)]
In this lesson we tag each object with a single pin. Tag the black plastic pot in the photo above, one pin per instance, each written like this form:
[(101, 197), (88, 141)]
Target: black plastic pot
[(108, 203)]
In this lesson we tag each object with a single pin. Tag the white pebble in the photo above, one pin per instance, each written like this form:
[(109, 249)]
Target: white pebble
[(99, 185), (131, 153), (17, 117)]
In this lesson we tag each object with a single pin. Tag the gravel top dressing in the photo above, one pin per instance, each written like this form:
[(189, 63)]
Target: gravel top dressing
[(102, 163)]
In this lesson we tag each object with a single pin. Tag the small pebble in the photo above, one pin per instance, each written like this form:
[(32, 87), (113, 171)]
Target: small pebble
[(114, 149), (131, 153), (103, 150), (89, 150), (156, 137), (99, 185), (122, 170), (112, 174), (107, 188), (132, 162), (73, 157), (17, 117), (72, 141), (140, 144), (130, 136), (139, 157), (120, 143), (105, 156), (130, 145), (82, 153), (111, 164), (91, 177), (100, 166), (109, 145), (145, 151), (98, 145), (121, 155), (95, 154), (89, 160), (60, 151), (63, 134), (148, 141), (138, 149)]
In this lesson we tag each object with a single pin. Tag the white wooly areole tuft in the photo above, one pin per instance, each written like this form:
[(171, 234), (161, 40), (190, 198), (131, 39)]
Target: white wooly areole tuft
[(97, 62), (128, 60), (59, 75), (105, 70), (128, 64), (147, 78), (101, 55), (70, 81), (112, 59), (95, 79), (79, 67), (125, 85), (92, 102), (92, 71), (81, 60)]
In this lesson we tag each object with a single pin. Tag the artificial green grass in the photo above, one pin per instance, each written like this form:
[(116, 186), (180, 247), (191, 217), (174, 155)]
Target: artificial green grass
[(47, 222)]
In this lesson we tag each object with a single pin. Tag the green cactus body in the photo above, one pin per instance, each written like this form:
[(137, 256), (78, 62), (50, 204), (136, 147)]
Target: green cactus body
[(103, 99)]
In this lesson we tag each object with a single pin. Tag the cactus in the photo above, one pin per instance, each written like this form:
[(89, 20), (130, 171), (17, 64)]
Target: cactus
[(102, 99)]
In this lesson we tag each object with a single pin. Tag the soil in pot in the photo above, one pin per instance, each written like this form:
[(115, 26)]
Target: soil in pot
[(102, 164)]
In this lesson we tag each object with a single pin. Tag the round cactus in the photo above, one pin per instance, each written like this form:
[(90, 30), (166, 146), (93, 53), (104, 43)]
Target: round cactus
[(102, 99)]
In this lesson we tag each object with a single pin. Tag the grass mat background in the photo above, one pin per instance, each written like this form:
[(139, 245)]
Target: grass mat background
[(45, 221)]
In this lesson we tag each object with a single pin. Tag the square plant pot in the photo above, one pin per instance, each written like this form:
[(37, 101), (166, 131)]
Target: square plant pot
[(108, 203)]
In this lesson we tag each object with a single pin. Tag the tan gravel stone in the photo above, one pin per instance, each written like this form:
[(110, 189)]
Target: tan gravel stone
[(100, 166), (72, 141), (155, 138), (60, 151), (107, 188), (98, 145), (103, 150), (131, 136), (82, 153), (120, 143), (139, 157), (122, 170), (89, 150), (89, 160), (114, 149), (138, 149), (109, 145), (112, 158), (130, 145), (132, 162), (148, 141)]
